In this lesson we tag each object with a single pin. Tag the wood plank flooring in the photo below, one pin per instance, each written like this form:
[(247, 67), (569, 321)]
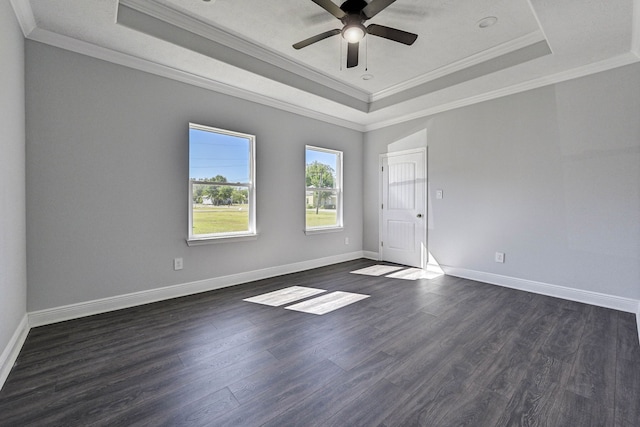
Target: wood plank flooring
[(439, 352)]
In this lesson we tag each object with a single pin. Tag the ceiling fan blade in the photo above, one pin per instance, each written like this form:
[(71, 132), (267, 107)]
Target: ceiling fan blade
[(319, 18), (392, 34), (331, 7), (352, 54), (316, 38), (375, 7)]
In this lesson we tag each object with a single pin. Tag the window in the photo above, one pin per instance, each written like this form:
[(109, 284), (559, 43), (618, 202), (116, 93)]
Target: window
[(221, 185), (323, 190)]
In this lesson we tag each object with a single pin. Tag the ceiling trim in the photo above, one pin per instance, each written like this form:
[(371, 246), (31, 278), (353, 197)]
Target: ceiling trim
[(537, 18), (508, 60), (488, 54), (130, 61), (24, 15), (586, 70), (175, 34), (28, 24), (257, 53), (240, 44), (110, 55)]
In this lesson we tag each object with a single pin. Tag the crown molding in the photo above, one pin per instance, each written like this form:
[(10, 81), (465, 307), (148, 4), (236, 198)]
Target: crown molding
[(109, 55), (478, 58), (537, 18), (130, 61), (29, 27), (593, 68), (24, 15), (240, 44)]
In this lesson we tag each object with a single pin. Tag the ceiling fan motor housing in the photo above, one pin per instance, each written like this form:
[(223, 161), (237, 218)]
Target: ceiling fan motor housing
[(354, 29), (353, 14), (354, 7)]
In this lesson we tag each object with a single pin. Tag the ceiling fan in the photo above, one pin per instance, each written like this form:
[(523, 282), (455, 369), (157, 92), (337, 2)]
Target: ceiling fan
[(353, 14)]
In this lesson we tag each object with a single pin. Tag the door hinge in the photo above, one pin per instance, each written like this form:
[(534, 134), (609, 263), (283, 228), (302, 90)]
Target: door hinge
[(382, 206), (382, 169), (381, 243)]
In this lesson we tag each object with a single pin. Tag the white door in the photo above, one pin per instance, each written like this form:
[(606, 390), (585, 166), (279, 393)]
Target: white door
[(403, 210)]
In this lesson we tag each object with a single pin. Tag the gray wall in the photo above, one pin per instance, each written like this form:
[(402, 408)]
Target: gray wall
[(107, 174), (13, 273), (551, 177)]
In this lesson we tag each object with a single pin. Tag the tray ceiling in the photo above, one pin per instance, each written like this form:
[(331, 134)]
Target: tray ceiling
[(244, 48)]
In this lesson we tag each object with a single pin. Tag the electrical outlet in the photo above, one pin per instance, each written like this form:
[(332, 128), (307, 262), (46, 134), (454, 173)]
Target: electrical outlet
[(346, 240), (439, 194), (177, 264), (500, 257)]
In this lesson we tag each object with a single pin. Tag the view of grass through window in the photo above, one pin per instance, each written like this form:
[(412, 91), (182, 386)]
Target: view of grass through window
[(323, 175), (220, 177)]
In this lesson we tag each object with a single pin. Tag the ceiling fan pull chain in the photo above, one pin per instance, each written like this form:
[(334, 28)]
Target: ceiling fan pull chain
[(353, 14), (366, 55)]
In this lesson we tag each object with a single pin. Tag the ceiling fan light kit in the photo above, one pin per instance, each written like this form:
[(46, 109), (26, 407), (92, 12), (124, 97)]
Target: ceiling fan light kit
[(353, 33), (353, 14)]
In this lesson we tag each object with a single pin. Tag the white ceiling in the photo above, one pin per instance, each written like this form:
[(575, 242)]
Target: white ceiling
[(244, 48)]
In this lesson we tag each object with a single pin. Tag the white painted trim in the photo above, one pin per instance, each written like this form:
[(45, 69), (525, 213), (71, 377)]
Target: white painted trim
[(371, 255), (593, 68), (12, 350), (381, 212), (588, 297), (88, 49), (88, 308), (24, 15), (638, 322), (130, 61), (486, 55), (540, 27), (325, 230), (235, 41)]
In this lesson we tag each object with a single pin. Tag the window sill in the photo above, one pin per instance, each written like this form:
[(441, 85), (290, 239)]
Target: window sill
[(221, 239), (311, 231)]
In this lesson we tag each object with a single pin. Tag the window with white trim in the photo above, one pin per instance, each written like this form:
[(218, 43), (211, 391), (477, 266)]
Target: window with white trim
[(221, 185), (323, 199)]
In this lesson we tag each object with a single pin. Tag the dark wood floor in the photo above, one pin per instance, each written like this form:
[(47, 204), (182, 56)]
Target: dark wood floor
[(435, 352)]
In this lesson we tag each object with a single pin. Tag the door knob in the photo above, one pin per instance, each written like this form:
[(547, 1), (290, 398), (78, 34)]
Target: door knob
[(419, 215)]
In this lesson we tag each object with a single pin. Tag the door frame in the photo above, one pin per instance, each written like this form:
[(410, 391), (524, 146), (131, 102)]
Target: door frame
[(424, 256)]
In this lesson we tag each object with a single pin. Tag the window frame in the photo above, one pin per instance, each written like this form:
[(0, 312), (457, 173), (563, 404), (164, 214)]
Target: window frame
[(338, 189), (251, 232)]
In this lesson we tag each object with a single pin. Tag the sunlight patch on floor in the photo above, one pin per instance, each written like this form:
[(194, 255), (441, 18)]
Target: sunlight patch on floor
[(377, 270), (414, 274), (327, 303), (320, 305), (398, 272), (284, 296)]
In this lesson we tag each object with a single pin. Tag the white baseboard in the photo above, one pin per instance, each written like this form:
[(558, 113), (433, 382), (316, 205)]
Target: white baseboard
[(73, 311), (371, 255), (638, 322), (11, 351), (594, 298), (88, 308), (588, 297)]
